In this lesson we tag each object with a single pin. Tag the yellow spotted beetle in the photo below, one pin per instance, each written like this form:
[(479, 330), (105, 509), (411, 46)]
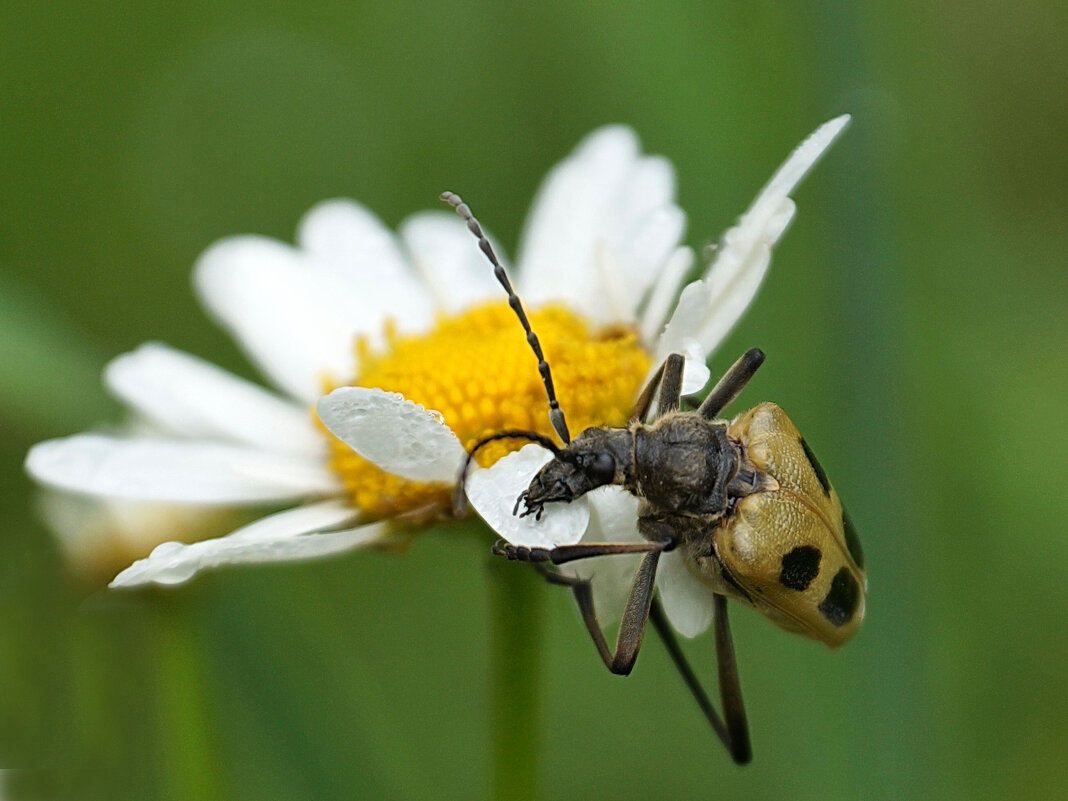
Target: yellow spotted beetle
[(745, 501)]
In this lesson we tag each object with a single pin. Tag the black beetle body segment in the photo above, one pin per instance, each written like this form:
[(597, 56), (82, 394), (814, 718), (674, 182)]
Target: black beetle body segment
[(682, 464)]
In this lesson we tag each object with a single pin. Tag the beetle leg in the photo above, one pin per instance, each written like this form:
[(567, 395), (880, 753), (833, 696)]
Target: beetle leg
[(582, 591), (635, 615), (730, 688), (728, 387), (668, 379), (735, 732), (671, 385), (569, 553), (645, 399)]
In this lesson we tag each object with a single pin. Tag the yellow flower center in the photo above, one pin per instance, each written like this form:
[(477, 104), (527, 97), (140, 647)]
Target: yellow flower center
[(477, 370)]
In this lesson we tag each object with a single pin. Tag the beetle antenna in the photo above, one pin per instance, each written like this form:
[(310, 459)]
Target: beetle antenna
[(459, 499), (556, 414)]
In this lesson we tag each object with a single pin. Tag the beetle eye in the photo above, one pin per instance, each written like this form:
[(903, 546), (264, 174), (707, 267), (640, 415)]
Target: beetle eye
[(601, 468)]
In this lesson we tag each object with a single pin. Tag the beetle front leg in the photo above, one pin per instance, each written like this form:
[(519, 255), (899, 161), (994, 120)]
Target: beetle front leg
[(660, 536), (570, 553), (635, 615)]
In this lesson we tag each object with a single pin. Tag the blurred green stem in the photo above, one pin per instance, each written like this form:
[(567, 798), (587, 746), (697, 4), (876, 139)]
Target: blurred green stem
[(190, 770), (516, 620)]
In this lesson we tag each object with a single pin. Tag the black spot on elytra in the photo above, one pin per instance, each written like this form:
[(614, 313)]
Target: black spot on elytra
[(816, 467), (799, 567), (841, 602), (852, 540)]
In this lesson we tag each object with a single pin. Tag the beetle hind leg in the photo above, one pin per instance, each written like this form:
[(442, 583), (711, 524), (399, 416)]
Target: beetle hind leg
[(733, 381), (732, 729)]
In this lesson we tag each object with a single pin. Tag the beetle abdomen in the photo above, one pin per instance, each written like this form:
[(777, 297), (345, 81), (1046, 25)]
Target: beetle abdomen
[(787, 547), (781, 552)]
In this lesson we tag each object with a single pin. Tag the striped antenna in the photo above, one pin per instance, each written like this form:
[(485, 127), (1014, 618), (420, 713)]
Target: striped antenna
[(556, 414)]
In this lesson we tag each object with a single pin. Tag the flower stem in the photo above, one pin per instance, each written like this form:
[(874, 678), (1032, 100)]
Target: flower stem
[(516, 621), (190, 769)]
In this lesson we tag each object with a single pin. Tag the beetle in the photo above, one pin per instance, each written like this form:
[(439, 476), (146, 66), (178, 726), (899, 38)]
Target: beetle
[(745, 501)]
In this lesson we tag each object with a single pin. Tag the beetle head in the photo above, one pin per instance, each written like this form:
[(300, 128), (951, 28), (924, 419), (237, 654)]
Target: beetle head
[(596, 457)]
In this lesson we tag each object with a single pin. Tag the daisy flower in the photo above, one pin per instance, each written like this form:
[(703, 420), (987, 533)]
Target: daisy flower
[(706, 310), (409, 338), (98, 536)]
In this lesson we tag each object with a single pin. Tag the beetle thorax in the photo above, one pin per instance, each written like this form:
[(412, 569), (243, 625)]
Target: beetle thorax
[(683, 463)]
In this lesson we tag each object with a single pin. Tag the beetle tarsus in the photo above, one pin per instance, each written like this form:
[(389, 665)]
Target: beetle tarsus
[(520, 553)]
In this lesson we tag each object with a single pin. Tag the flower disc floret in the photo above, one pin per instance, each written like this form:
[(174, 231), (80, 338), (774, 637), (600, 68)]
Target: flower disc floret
[(477, 371)]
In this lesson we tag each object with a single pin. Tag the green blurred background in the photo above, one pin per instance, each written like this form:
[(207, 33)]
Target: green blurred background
[(914, 320)]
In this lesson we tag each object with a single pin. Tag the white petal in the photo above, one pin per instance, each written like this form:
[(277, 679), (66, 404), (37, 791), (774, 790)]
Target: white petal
[(399, 436), (650, 187), (803, 159), (663, 294), (558, 243), (188, 396), (493, 493), (449, 260), (182, 471), (695, 372), (708, 309), (345, 232), (687, 603), (719, 300), (96, 532), (613, 297), (646, 250), (605, 195), (295, 321), (365, 253), (641, 231), (294, 534), (613, 518)]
